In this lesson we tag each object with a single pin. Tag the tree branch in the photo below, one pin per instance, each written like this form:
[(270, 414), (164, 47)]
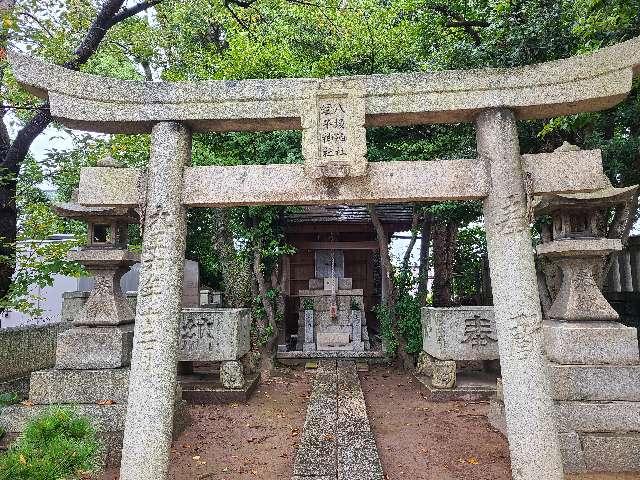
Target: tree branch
[(461, 22), (131, 11)]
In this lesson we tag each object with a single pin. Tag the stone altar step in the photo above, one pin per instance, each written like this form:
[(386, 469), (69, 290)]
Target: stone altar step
[(590, 417), (205, 389), (337, 442), (79, 386), (595, 382), (299, 357)]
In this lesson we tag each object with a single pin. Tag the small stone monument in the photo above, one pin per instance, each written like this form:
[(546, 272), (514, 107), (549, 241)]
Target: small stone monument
[(331, 316)]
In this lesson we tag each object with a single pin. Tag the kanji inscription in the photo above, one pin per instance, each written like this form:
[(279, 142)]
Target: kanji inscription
[(334, 143), (478, 331)]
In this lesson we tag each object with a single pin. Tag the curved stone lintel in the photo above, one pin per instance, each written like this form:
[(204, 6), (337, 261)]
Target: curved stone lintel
[(582, 83)]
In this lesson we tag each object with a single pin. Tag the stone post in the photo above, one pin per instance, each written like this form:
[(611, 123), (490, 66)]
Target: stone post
[(533, 438), (626, 279), (152, 386)]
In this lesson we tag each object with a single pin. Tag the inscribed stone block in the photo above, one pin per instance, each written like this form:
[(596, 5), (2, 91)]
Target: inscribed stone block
[(460, 333), (214, 334)]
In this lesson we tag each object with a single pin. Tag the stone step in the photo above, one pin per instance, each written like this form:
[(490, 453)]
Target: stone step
[(611, 452), (595, 382), (79, 386), (598, 416), (89, 348), (590, 343)]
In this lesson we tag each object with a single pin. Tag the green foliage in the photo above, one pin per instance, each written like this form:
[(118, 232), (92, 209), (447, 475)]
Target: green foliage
[(407, 311), (57, 445), (307, 304), (471, 246)]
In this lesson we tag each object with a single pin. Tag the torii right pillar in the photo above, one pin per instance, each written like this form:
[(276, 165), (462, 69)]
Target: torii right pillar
[(531, 429)]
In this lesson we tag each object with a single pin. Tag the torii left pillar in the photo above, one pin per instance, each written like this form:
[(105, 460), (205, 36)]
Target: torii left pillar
[(152, 382)]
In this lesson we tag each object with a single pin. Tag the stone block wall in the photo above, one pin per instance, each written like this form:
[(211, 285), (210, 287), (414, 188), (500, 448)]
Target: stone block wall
[(24, 350)]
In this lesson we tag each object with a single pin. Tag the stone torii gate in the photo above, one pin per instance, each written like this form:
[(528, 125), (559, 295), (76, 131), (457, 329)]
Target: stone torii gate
[(333, 114)]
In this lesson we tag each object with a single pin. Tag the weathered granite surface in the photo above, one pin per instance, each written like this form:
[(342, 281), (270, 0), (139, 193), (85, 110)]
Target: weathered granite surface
[(388, 182), (532, 434), (214, 334), (595, 382), (337, 442), (50, 387), (606, 416), (27, 349), (583, 83), (95, 347), (590, 343), (460, 333), (152, 386), (613, 452)]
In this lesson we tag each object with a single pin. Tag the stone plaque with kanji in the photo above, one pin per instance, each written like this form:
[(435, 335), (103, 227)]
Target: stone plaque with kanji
[(334, 138)]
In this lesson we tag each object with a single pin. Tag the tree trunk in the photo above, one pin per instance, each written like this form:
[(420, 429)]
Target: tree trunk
[(444, 244), (404, 360), (266, 347), (423, 272)]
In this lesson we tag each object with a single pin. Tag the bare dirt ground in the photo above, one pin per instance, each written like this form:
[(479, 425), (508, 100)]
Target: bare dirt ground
[(257, 440), (419, 439)]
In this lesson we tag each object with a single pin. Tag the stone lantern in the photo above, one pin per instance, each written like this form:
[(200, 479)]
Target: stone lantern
[(107, 259), (575, 241)]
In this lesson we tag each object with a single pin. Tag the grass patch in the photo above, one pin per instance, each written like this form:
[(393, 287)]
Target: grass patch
[(58, 445), (9, 398)]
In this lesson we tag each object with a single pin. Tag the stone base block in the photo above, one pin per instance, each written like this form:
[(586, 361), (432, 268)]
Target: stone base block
[(89, 348), (232, 375), (598, 416), (79, 386), (590, 343), (595, 382), (496, 416), (611, 452)]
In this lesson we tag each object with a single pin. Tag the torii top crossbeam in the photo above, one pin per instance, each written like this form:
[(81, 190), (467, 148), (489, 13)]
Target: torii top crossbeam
[(583, 83)]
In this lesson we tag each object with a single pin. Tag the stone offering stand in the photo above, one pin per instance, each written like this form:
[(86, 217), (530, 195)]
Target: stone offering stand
[(458, 335), (333, 114)]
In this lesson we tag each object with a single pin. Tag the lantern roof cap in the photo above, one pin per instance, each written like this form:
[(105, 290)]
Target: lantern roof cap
[(601, 198), (81, 212)]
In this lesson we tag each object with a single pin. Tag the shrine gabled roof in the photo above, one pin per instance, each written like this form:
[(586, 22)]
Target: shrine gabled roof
[(397, 214), (590, 82)]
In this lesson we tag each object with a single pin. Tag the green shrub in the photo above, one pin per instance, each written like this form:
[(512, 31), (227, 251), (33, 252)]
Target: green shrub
[(58, 445)]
